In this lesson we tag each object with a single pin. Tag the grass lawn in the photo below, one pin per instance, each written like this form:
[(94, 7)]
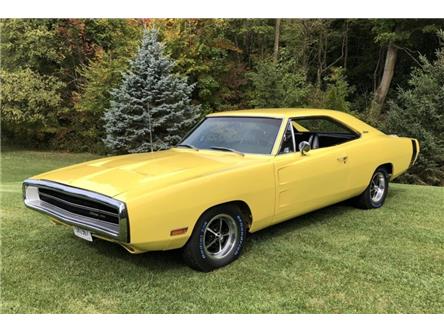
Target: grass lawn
[(337, 260)]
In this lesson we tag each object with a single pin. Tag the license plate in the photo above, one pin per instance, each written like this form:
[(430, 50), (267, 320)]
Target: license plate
[(84, 234)]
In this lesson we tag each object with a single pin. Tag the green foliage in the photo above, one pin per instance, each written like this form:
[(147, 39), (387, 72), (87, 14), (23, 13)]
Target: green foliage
[(30, 43), (204, 53), (274, 86), (100, 76), (400, 31), (60, 51), (30, 104), (338, 91), (418, 112), (151, 109), (325, 63)]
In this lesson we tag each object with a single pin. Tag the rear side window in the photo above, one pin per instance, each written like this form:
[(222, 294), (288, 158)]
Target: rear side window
[(322, 125)]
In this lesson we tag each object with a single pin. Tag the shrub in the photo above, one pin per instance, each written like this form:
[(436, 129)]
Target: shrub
[(418, 112), (31, 104)]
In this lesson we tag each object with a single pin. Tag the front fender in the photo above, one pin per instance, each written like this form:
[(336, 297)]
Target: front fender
[(154, 214)]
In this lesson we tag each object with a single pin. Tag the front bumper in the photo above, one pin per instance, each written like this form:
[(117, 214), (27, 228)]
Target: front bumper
[(116, 231)]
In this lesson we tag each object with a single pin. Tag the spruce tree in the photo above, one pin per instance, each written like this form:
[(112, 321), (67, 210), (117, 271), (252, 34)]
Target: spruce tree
[(151, 109)]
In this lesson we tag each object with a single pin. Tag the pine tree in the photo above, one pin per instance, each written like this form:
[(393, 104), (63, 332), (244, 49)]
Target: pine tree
[(152, 107)]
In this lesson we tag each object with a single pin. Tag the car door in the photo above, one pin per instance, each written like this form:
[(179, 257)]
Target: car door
[(307, 182)]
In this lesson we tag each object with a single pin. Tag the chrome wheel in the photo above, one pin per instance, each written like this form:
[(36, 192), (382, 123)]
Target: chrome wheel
[(220, 236), (377, 187)]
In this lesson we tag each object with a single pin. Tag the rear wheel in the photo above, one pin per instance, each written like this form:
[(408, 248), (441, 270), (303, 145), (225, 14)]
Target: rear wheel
[(217, 238), (376, 192)]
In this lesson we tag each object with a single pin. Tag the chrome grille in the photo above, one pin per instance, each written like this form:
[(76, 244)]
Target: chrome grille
[(81, 206), (98, 213)]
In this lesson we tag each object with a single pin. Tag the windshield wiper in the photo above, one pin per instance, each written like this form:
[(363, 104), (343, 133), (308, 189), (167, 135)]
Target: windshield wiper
[(187, 145), (227, 149)]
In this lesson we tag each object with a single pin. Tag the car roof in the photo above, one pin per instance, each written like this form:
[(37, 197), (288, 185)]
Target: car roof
[(346, 118), (279, 113)]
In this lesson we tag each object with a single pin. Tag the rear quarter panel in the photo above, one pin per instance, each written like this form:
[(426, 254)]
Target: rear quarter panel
[(370, 152)]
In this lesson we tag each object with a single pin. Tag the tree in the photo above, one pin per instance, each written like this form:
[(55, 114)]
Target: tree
[(206, 55), (30, 43), (277, 34), (394, 35), (100, 76), (49, 51), (152, 107), (418, 112), (31, 104), (338, 91), (278, 85)]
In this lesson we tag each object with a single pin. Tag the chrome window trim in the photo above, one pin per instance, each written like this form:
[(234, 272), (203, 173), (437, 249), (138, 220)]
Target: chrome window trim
[(292, 135), (118, 232), (282, 139)]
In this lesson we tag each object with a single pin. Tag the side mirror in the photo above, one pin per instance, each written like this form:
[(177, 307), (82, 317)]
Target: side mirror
[(304, 147)]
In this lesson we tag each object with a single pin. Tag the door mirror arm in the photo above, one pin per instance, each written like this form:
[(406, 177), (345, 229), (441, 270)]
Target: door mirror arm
[(304, 147)]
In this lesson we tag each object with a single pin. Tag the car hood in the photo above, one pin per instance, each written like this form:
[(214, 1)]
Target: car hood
[(115, 175)]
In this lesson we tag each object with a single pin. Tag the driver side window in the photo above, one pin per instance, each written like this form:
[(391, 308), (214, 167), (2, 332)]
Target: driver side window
[(321, 132), (292, 138), (318, 131)]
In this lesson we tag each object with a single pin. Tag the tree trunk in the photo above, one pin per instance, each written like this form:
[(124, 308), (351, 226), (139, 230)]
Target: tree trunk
[(345, 45), (384, 85), (150, 126), (321, 59), (277, 33)]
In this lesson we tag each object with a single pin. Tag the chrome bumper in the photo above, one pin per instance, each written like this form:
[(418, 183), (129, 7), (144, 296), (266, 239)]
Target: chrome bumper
[(118, 231)]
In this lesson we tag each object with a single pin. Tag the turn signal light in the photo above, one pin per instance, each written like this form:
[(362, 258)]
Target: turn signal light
[(180, 231)]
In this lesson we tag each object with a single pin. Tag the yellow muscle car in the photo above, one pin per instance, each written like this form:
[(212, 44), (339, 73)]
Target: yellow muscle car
[(235, 172)]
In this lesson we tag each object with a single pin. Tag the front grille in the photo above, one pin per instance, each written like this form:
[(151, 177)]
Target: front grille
[(93, 211), (81, 206)]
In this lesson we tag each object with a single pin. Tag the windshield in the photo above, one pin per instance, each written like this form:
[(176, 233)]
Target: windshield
[(254, 135)]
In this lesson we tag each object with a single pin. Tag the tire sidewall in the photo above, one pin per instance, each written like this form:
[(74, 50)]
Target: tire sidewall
[(201, 226), (382, 200)]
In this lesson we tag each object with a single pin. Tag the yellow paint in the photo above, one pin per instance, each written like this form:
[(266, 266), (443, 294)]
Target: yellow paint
[(299, 127), (170, 189)]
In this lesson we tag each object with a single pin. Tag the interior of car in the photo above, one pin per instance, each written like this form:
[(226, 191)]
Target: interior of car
[(319, 132)]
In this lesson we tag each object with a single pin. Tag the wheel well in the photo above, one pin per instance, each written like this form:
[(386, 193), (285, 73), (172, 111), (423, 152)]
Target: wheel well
[(388, 167), (244, 208), (246, 211)]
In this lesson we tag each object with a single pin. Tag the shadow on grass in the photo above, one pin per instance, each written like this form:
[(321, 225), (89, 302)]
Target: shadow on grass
[(172, 260), (394, 192), (318, 217), (155, 261)]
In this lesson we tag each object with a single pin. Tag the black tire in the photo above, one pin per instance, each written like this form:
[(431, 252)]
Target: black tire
[(202, 251), (368, 199)]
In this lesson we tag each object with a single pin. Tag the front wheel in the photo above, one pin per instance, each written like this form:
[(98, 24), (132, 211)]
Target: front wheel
[(217, 239), (376, 192)]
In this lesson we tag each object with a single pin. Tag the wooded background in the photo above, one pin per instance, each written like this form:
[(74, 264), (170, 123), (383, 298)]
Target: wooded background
[(57, 74)]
